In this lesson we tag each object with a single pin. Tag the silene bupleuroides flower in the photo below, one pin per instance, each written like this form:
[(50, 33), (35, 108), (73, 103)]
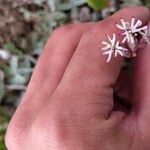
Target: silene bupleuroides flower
[(112, 48), (131, 30), (135, 35)]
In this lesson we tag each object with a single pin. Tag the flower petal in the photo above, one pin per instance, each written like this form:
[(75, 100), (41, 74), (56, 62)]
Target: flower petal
[(104, 43), (123, 23), (132, 23), (121, 48), (109, 57), (138, 24), (107, 52), (117, 43), (118, 52), (131, 39), (114, 39), (119, 26), (128, 36), (124, 40), (109, 39), (140, 29), (106, 47)]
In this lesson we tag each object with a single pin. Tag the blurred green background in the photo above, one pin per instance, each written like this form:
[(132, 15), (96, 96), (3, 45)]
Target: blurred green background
[(24, 28)]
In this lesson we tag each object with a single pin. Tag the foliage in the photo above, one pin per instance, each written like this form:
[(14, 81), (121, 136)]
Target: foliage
[(97, 5), (147, 3), (3, 126)]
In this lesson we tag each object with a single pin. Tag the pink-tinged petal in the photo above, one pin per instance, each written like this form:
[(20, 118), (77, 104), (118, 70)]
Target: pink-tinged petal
[(106, 48), (140, 29), (107, 52), (104, 43), (119, 52), (109, 38), (114, 39), (147, 31), (138, 24), (124, 40), (125, 33), (120, 27), (123, 23), (109, 57), (128, 37), (117, 43), (115, 53), (132, 23), (121, 48), (125, 49)]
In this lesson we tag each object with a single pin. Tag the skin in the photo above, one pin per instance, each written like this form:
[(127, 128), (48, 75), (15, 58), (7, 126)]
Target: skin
[(69, 102)]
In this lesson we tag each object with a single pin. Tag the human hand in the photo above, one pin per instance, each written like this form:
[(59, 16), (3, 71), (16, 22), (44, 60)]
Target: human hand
[(69, 102)]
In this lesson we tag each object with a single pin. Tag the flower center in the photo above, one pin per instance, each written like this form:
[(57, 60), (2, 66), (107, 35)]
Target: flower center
[(113, 47), (128, 28)]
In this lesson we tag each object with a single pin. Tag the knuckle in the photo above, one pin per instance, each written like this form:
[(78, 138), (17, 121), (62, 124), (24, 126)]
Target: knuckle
[(65, 34), (63, 31), (17, 131), (97, 29), (125, 10), (108, 25), (46, 131), (109, 22), (90, 34), (13, 138)]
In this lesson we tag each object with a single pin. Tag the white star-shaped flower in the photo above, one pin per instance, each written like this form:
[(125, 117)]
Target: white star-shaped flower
[(131, 30), (112, 48)]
